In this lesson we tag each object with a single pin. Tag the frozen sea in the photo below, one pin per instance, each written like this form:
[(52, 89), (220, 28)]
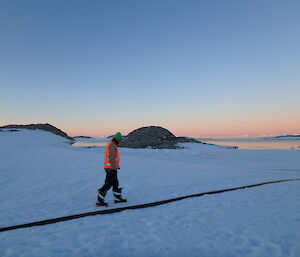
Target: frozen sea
[(256, 143)]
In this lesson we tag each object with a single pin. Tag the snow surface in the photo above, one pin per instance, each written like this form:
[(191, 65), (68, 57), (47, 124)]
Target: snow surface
[(42, 176)]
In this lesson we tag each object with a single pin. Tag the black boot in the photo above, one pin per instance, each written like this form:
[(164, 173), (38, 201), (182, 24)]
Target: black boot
[(118, 197), (100, 198)]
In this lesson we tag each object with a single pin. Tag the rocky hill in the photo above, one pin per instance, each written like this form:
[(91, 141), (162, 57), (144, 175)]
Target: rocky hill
[(45, 127), (153, 137)]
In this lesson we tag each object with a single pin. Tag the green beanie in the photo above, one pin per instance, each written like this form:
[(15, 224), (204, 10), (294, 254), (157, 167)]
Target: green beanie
[(118, 136)]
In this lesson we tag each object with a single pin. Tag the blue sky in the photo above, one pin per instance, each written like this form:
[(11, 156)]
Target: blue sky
[(195, 67)]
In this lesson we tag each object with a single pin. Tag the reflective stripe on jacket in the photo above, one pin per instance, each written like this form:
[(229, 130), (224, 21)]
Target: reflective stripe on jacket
[(111, 156)]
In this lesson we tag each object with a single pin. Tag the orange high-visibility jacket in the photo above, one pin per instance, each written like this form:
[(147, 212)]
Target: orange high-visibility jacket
[(111, 150)]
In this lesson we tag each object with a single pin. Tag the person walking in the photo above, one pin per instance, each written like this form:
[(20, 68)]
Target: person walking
[(111, 165)]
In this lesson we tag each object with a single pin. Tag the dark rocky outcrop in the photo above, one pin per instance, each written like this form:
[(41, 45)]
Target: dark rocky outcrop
[(153, 137), (9, 130), (46, 127), (294, 136), (83, 137)]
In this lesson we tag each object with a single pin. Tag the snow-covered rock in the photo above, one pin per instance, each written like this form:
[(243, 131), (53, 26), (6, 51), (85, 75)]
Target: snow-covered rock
[(45, 127)]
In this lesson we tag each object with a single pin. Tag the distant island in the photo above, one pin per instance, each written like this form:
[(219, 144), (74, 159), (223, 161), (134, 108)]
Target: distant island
[(9, 130), (78, 137), (284, 136)]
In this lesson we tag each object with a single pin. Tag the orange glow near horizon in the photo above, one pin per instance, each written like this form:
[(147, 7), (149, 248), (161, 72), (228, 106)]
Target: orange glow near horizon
[(194, 128), (197, 131)]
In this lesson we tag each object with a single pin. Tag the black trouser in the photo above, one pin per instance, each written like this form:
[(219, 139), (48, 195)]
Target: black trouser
[(111, 180)]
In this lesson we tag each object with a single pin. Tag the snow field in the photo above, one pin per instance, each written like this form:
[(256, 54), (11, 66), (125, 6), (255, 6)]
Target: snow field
[(237, 223), (42, 177)]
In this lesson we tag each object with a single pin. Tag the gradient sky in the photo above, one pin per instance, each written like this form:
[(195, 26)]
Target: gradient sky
[(197, 68)]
